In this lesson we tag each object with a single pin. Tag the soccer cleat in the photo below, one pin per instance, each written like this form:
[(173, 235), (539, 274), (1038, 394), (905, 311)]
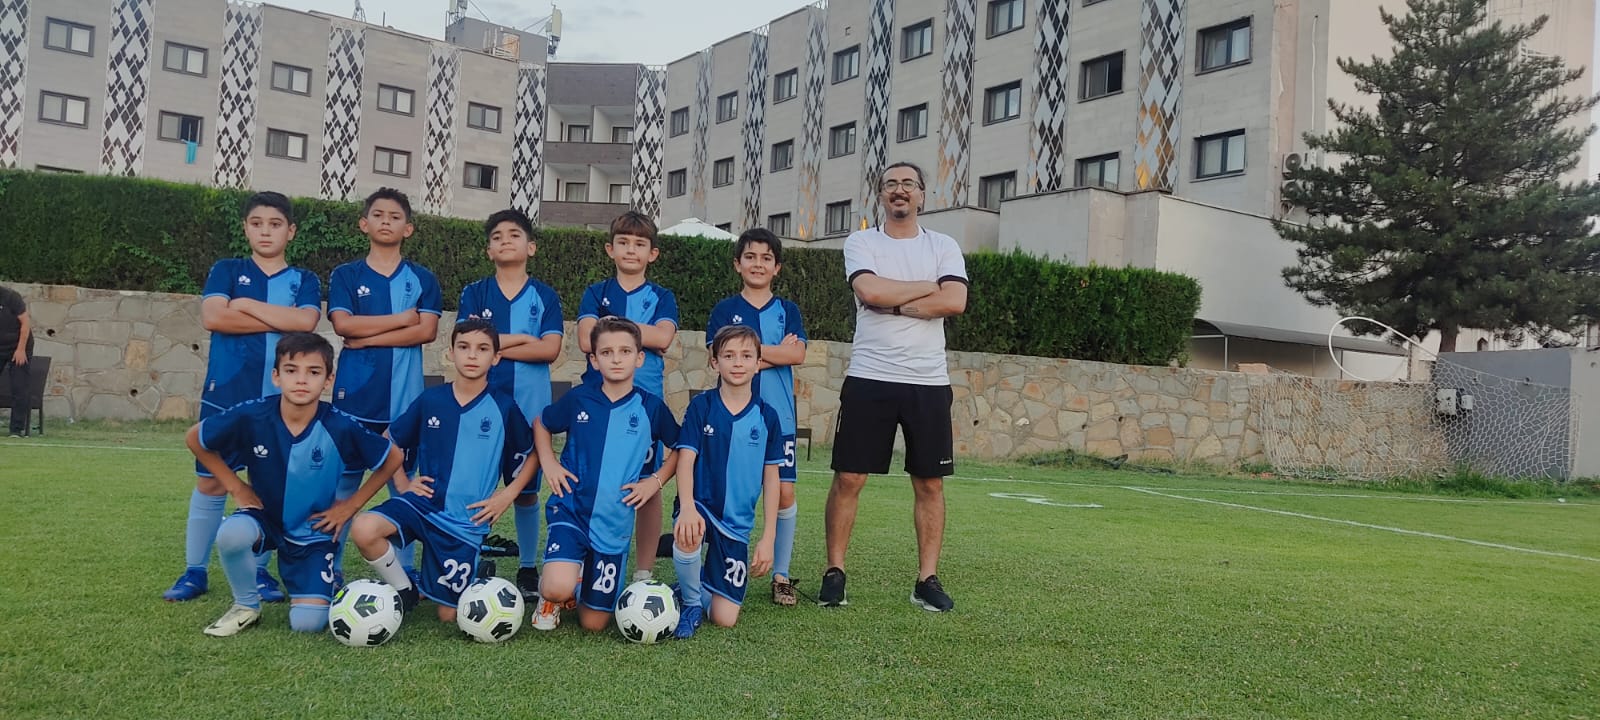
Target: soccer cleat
[(338, 580), (832, 592), (409, 598), (267, 586), (485, 569), (236, 619), (546, 615), (929, 595), (500, 546), (783, 593), (528, 582), (688, 622), (190, 585)]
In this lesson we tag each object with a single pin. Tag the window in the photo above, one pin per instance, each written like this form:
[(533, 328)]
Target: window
[(482, 177), (913, 123), (68, 36), (779, 224), (185, 59), (179, 127), (1102, 76), (677, 183), (842, 140), (846, 64), (289, 78), (838, 220), (576, 192), (1098, 171), (994, 188), (285, 144), (1225, 45), (722, 172), (1005, 16), (621, 194), (1221, 154), (782, 155), (727, 107), (392, 162), (622, 135), (679, 123), (1003, 102), (484, 117), (395, 99), (785, 86), (64, 109), (916, 41), (578, 133)]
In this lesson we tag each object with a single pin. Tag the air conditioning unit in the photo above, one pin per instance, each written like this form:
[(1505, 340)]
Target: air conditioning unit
[(1292, 162)]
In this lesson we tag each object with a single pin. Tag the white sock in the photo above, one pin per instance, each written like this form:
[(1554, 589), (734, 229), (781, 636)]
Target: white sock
[(389, 569)]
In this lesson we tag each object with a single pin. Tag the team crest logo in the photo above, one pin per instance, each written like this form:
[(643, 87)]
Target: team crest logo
[(260, 451), (583, 416), (755, 434), (363, 291), (737, 319), (708, 430), (648, 303), (294, 288), (605, 301), (244, 279), (316, 457), (485, 426), (487, 314), (433, 423), (554, 547)]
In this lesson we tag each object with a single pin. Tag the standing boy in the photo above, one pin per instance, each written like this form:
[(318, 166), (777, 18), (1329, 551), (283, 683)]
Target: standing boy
[(654, 309), (610, 426), (248, 304), (16, 347), (527, 314), (757, 257)]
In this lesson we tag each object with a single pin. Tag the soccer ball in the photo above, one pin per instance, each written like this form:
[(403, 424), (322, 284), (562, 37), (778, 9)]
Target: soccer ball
[(490, 610), (647, 613), (365, 613)]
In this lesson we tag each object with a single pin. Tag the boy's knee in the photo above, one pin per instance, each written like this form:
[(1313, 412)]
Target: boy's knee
[(237, 534), (596, 622), (308, 618), (447, 614)]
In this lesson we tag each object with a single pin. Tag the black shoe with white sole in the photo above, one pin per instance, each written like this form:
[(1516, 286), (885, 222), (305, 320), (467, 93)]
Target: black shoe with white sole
[(832, 592), (929, 595)]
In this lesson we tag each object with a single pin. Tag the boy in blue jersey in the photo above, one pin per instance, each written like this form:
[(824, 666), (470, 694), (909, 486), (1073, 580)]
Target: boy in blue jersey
[(654, 309), (386, 308), (527, 313), (294, 448), (596, 488), (730, 451), (463, 438), (248, 303), (757, 257)]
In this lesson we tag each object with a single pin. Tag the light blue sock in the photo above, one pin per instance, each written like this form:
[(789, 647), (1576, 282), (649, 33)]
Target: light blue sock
[(527, 534), (407, 554), (236, 546), (688, 565), (308, 618), (205, 516), (264, 559), (783, 545)]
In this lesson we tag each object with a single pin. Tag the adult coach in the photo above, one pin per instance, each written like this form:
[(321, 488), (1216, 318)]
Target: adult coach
[(906, 280), (16, 347)]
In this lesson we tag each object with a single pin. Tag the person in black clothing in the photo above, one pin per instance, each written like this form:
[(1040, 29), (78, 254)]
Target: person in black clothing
[(16, 347)]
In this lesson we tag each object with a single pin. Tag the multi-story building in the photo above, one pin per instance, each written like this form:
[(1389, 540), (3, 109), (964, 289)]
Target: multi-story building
[(258, 96)]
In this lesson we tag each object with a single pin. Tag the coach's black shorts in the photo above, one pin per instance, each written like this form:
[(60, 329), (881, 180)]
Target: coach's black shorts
[(869, 411)]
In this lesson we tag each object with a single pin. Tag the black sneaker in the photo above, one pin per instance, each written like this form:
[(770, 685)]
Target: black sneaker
[(832, 593), (929, 595), (500, 546), (528, 582), (486, 569), (409, 598)]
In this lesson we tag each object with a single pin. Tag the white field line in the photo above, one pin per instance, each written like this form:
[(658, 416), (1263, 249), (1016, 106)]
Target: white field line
[(1369, 526), (94, 447)]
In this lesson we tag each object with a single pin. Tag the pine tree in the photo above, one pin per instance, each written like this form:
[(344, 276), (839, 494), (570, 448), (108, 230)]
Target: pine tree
[(1442, 208)]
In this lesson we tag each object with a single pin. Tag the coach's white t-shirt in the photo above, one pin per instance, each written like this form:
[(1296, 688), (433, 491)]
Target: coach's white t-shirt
[(896, 348)]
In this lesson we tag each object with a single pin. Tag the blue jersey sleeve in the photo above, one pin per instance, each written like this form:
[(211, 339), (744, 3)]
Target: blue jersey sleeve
[(557, 416), (775, 450), (432, 300), (721, 316), (662, 424), (310, 291), (589, 306), (406, 430), (792, 323), (228, 432), (550, 323), (667, 307), (341, 294), (219, 281), (357, 444), (469, 305), (694, 418), (519, 442)]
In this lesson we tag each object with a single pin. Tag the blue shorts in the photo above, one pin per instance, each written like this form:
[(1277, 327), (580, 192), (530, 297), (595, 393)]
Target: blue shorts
[(726, 571), (788, 471), (306, 569), (601, 581), (448, 565)]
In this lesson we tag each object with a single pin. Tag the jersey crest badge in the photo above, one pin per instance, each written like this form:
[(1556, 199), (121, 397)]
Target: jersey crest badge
[(316, 457), (485, 426)]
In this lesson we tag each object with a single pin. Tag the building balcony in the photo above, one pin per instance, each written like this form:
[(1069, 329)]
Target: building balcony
[(561, 212), (589, 153)]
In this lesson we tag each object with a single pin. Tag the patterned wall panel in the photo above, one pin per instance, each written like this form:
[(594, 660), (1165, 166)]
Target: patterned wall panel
[(439, 133), (236, 112), (950, 178), (754, 131), (127, 87), (341, 118), (875, 120), (702, 125), (649, 139), (527, 154), (808, 204), (13, 77), (1049, 78), (1155, 156)]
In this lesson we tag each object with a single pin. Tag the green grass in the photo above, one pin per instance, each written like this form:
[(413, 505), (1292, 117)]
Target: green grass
[(1152, 606)]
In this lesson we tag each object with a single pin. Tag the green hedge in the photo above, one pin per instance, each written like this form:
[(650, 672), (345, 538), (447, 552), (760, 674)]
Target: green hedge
[(136, 234)]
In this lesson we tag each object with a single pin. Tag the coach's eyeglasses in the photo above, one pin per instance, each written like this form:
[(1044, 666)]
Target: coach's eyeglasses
[(907, 185)]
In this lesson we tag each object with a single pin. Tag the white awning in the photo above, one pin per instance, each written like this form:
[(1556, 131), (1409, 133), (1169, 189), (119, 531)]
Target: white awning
[(1213, 328)]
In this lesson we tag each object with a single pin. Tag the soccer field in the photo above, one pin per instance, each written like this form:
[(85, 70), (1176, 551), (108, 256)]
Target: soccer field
[(1173, 596)]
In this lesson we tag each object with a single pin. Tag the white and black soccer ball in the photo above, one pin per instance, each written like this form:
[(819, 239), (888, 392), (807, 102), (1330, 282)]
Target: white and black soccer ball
[(365, 613), (647, 612), (490, 610)]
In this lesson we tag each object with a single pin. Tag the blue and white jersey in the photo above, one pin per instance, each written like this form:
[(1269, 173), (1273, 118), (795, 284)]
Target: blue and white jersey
[(732, 451), (376, 384), (648, 304), (606, 444), (240, 366), (294, 475), (779, 318), (467, 449), (536, 311)]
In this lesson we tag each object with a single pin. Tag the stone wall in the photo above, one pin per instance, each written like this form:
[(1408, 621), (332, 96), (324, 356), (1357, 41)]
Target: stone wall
[(128, 355)]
